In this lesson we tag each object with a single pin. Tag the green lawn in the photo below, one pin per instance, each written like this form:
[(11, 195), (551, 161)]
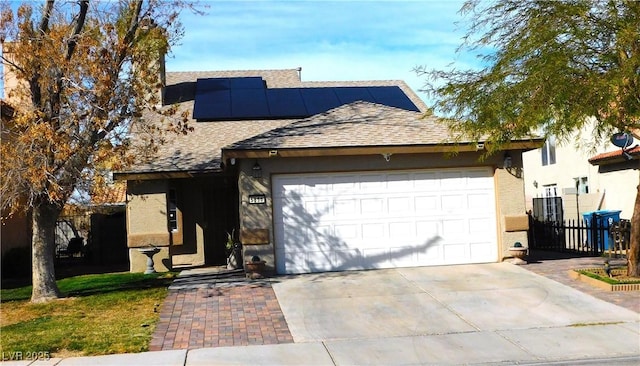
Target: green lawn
[(101, 314)]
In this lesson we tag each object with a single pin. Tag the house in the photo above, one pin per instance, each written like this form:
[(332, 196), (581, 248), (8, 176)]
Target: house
[(98, 225), (568, 178), (319, 176), (15, 228)]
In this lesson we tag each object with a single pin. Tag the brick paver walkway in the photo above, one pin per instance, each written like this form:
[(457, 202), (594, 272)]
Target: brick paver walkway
[(233, 313), (556, 266)]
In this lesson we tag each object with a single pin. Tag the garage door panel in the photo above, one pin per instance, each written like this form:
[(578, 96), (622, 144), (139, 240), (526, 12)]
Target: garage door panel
[(347, 231), (453, 202), (480, 225), (452, 228), (372, 206), (427, 230), (399, 183), (426, 181), (382, 220), (480, 250), (478, 201), (452, 181), (401, 230), (404, 256), (425, 204), (372, 183), (454, 252), (345, 207), (347, 259), (376, 258), (399, 204), (374, 230), (480, 179)]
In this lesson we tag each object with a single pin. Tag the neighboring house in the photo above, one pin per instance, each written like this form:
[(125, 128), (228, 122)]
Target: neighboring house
[(16, 228), (319, 176), (108, 237), (557, 173)]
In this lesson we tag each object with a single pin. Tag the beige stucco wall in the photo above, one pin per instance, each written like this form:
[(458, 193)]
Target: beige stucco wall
[(138, 261), (509, 202), (147, 223), (607, 191), (509, 188), (620, 189)]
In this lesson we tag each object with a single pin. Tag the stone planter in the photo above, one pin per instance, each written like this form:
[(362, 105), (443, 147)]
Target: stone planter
[(255, 267), (519, 254)]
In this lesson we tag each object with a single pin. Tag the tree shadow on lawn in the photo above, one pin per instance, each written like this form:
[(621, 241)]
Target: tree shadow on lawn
[(95, 284), (63, 270)]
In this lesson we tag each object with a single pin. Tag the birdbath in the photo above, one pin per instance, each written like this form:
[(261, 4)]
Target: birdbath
[(149, 252)]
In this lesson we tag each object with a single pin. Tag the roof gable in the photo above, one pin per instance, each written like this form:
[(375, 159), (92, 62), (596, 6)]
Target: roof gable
[(355, 124)]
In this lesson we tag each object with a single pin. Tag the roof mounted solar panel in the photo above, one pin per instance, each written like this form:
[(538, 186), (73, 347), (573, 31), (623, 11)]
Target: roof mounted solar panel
[(286, 103), (392, 96), (212, 84), (248, 98), (319, 100), (212, 105), (249, 103), (348, 95), (247, 83)]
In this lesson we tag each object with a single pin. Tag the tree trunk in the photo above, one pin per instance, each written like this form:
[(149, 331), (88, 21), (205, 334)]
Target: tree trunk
[(633, 257), (44, 245)]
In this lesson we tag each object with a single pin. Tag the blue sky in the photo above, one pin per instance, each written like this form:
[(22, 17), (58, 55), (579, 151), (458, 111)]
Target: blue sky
[(330, 40)]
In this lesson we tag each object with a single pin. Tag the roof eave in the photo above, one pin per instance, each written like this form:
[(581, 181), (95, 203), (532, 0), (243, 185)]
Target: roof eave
[(613, 160), (229, 153), (151, 175)]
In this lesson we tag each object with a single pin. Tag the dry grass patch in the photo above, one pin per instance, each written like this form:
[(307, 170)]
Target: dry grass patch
[(108, 313)]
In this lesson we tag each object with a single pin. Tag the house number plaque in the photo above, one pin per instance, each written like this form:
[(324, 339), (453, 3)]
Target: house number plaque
[(256, 199)]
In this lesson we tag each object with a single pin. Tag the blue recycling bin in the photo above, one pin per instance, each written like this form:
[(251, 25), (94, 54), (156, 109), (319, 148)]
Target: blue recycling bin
[(602, 219)]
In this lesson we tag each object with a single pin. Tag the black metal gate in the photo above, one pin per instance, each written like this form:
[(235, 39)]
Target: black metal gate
[(548, 209)]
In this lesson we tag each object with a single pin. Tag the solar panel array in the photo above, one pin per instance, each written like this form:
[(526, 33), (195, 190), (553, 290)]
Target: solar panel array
[(245, 98)]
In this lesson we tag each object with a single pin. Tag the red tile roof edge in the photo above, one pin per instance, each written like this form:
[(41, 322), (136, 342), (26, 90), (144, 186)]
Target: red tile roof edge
[(613, 155)]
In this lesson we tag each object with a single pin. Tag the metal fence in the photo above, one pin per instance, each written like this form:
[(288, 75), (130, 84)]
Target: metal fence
[(577, 236)]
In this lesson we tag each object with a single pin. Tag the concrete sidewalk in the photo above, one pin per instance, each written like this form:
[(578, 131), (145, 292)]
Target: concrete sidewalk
[(468, 314), (317, 353)]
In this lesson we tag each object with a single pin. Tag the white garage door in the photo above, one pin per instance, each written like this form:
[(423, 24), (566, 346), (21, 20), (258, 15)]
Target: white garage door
[(348, 221)]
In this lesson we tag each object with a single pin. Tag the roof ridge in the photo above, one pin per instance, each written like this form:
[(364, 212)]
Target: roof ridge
[(229, 70)]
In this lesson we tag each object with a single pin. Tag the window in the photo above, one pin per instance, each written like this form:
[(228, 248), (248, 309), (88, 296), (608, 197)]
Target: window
[(172, 210), (551, 190), (582, 184), (552, 203), (549, 151)]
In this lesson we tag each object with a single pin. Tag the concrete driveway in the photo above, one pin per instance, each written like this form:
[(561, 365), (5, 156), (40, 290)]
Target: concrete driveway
[(454, 314)]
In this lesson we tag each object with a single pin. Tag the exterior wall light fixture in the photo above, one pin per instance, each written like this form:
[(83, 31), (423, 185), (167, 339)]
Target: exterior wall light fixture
[(256, 171), (507, 161)]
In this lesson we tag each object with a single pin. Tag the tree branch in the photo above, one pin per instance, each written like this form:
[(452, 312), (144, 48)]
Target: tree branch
[(131, 32), (46, 15), (71, 45)]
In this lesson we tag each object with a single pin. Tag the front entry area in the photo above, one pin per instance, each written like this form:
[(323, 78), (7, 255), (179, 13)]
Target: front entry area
[(384, 219)]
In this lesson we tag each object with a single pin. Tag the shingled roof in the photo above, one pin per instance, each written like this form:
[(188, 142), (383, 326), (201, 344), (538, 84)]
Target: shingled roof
[(352, 125), (200, 151)]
